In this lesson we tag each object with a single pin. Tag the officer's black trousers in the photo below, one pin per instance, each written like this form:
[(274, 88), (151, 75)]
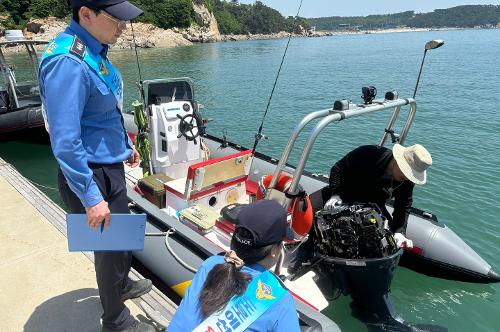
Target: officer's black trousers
[(111, 268)]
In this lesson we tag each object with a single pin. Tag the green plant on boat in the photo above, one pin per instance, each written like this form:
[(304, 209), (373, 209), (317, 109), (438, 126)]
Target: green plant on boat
[(142, 143)]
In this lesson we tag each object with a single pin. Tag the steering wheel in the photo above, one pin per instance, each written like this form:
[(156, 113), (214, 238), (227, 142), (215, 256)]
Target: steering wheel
[(188, 127)]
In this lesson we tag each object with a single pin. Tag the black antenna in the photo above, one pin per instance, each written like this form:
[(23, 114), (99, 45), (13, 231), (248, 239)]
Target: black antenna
[(259, 135), (141, 89)]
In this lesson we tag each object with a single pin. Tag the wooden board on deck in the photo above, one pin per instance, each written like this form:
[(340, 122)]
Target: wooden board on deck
[(225, 170)]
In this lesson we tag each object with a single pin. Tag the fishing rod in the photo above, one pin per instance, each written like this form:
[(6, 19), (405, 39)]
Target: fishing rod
[(143, 145), (259, 135), (139, 84)]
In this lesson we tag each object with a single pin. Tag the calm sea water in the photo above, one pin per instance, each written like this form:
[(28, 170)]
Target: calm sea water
[(458, 120)]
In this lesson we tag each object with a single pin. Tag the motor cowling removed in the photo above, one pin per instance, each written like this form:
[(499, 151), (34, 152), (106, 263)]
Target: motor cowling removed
[(353, 232)]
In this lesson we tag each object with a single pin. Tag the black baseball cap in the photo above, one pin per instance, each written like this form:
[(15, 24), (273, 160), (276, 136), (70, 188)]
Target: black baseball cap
[(121, 9), (262, 223)]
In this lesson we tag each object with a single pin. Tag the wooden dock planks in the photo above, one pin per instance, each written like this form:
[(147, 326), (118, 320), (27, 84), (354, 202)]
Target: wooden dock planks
[(57, 217)]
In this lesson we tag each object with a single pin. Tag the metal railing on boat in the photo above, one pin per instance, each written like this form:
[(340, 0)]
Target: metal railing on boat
[(331, 115)]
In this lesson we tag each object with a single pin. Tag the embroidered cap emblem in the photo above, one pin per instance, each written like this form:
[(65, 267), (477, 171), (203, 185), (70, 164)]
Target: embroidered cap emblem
[(264, 291)]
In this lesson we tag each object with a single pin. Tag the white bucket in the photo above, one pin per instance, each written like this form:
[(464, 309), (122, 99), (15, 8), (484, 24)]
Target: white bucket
[(14, 35)]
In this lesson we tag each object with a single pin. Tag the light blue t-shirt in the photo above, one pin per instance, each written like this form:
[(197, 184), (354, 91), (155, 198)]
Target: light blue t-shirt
[(282, 316)]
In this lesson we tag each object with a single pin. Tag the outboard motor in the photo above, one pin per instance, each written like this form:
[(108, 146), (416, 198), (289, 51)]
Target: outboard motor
[(359, 254), (356, 255)]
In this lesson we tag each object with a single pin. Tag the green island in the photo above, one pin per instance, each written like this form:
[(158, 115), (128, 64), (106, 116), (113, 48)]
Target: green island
[(467, 16)]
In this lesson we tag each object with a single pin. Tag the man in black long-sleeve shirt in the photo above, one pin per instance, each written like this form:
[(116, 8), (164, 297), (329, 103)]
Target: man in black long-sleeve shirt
[(374, 174)]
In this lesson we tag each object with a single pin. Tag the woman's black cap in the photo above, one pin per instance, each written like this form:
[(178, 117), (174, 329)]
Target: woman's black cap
[(265, 222)]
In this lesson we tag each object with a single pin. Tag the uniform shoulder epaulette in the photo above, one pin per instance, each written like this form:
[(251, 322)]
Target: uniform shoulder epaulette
[(78, 48)]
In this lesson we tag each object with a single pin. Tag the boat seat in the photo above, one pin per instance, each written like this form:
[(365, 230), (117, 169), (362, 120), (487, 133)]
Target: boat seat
[(212, 182), (177, 186)]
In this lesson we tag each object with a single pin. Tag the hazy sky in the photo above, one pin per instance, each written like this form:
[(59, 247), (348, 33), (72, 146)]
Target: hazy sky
[(321, 8)]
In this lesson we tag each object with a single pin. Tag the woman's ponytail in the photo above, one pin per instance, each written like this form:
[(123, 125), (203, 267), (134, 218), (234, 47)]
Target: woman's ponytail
[(222, 283)]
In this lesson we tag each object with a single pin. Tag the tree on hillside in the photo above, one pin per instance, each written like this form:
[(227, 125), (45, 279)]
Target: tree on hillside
[(236, 18), (173, 13), (17, 10), (45, 8), (228, 24), (263, 19), (293, 24), (166, 13)]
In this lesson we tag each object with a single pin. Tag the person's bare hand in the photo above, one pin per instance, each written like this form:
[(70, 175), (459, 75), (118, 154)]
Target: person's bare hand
[(98, 214), (134, 159)]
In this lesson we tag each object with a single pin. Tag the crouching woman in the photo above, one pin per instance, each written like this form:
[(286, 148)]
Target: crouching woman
[(236, 292)]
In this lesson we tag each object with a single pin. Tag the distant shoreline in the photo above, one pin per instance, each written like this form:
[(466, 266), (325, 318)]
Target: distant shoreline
[(174, 38), (281, 35)]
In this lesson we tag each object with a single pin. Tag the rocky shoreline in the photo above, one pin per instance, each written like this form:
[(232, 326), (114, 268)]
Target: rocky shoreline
[(150, 36), (284, 34)]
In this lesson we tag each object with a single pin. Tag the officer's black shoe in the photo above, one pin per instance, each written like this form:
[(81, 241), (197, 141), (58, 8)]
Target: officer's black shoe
[(135, 327), (138, 289)]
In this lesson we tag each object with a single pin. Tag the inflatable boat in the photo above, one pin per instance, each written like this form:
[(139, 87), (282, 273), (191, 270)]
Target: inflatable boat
[(189, 179), (20, 103)]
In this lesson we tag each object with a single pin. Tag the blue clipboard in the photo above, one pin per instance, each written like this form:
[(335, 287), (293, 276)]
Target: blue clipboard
[(125, 233)]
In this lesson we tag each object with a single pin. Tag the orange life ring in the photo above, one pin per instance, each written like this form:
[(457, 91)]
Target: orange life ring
[(302, 218)]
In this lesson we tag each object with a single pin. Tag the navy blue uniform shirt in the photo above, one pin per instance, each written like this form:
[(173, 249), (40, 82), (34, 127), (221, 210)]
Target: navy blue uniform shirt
[(84, 121)]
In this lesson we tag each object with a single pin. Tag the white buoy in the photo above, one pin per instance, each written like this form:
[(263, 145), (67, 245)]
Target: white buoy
[(14, 35)]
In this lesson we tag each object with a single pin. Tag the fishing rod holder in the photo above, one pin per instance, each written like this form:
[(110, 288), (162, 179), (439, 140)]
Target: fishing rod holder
[(259, 136)]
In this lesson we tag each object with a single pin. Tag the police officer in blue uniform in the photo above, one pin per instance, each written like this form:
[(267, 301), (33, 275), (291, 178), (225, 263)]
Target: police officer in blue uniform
[(82, 95), (236, 292)]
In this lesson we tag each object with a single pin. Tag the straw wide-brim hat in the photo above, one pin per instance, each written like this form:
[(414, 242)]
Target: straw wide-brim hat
[(413, 161)]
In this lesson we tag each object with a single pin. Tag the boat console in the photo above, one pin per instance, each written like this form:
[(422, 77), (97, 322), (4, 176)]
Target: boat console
[(177, 152), (171, 150), (174, 127)]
